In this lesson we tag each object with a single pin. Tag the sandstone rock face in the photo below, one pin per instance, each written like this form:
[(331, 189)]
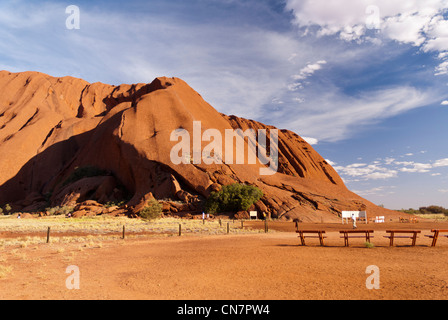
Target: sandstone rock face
[(51, 127)]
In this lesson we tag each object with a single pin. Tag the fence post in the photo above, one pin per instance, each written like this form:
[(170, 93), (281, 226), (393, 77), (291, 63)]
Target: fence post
[(48, 235), (180, 229), (266, 228), (228, 228), (124, 232)]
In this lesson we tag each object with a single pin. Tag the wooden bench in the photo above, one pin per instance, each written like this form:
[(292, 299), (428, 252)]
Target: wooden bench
[(435, 236), (356, 234), (311, 234), (393, 235)]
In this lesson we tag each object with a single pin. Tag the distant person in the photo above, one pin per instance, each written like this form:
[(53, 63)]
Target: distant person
[(354, 220), (19, 216)]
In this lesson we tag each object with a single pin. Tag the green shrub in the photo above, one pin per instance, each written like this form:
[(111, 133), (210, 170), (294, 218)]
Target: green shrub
[(152, 211), (233, 198), (56, 211), (369, 245)]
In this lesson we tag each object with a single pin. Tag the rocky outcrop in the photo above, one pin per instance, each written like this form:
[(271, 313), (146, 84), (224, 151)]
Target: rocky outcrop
[(53, 128)]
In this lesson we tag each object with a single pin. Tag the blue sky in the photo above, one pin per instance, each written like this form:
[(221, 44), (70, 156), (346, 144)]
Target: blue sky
[(364, 81)]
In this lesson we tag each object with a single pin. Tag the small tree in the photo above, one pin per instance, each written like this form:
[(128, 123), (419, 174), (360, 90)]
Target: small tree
[(8, 208), (152, 211), (234, 197)]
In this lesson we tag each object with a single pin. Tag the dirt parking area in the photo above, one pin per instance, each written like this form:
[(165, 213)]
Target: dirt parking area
[(258, 266)]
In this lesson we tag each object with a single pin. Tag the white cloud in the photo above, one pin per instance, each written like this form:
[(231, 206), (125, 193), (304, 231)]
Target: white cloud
[(309, 70), (444, 103), (403, 21), (386, 168), (417, 22), (389, 160), (417, 167), (311, 141), (364, 171), (442, 69), (441, 163), (443, 190), (411, 166)]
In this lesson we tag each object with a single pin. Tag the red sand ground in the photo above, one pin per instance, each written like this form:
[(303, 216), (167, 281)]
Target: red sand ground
[(261, 266)]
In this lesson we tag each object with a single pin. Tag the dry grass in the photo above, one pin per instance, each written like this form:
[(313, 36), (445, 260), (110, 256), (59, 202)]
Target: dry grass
[(4, 271), (97, 229), (437, 217)]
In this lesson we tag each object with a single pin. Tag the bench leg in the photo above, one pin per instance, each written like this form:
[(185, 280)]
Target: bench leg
[(414, 239), (391, 243), (321, 239), (302, 239), (434, 240)]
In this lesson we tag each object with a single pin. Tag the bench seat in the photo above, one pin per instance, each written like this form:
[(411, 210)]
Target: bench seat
[(435, 235), (393, 234), (318, 234), (347, 234)]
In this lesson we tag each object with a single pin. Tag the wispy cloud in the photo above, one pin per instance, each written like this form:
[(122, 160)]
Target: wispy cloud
[(362, 171), (387, 168), (333, 115), (308, 70), (380, 191)]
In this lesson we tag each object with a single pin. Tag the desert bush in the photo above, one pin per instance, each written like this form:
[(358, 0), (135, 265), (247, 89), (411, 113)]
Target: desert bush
[(427, 210), (433, 210), (56, 211), (233, 198), (152, 211), (8, 209), (369, 245)]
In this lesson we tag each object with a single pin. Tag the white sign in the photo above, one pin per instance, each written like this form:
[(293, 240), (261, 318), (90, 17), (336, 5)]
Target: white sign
[(380, 219), (356, 214), (253, 214)]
